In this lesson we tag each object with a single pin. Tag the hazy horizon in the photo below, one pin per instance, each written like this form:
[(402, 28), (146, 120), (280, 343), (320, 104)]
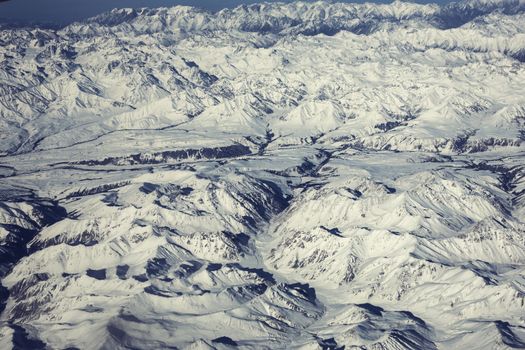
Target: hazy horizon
[(62, 12)]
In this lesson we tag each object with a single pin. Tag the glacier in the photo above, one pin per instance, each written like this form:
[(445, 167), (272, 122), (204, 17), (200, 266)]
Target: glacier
[(305, 175)]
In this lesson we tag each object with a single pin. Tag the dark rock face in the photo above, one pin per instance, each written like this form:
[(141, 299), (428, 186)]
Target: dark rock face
[(14, 246), (171, 156)]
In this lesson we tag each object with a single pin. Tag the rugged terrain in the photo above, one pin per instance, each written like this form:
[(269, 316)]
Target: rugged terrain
[(281, 176)]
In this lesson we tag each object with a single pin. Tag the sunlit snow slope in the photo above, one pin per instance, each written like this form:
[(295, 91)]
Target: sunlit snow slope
[(274, 176)]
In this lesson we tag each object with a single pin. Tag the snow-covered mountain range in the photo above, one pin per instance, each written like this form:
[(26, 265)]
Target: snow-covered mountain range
[(310, 175)]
